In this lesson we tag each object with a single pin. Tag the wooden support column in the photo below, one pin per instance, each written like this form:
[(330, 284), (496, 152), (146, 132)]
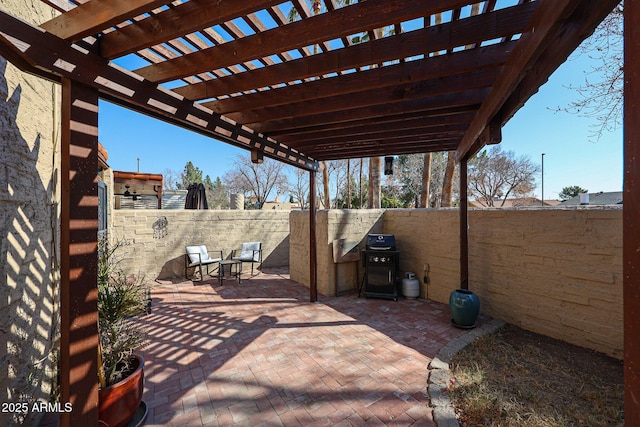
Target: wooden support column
[(631, 213), (464, 227), (78, 249), (313, 262)]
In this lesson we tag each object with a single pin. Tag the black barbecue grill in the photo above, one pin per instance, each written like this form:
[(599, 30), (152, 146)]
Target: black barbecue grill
[(381, 263)]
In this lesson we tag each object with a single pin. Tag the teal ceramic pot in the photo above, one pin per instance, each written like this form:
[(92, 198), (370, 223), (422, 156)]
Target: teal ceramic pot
[(465, 308)]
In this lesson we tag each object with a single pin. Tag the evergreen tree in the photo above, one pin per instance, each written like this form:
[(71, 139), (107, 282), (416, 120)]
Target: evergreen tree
[(571, 192), (217, 193), (191, 175)]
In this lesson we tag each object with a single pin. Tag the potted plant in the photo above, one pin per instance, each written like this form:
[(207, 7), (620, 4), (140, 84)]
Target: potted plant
[(122, 299)]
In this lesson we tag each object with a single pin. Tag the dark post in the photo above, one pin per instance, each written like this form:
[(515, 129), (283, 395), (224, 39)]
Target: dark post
[(542, 174), (79, 255), (631, 214), (313, 272), (464, 222)]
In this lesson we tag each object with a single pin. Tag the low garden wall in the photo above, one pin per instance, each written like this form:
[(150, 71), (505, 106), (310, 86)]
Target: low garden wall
[(553, 271), (158, 237)]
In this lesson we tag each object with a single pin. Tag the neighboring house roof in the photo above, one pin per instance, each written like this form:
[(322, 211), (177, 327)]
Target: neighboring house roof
[(174, 199), (279, 206), (137, 190), (103, 156), (511, 203), (601, 198)]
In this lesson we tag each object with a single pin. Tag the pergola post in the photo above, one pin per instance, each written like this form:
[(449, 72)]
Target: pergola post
[(78, 250), (631, 214), (464, 226), (313, 266)]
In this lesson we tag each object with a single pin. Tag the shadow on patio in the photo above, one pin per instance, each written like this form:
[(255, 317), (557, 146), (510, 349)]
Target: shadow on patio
[(259, 352)]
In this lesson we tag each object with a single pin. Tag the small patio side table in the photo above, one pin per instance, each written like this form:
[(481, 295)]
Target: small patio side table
[(230, 263)]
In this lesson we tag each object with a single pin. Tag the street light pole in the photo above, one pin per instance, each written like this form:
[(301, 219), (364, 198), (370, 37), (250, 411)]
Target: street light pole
[(542, 201)]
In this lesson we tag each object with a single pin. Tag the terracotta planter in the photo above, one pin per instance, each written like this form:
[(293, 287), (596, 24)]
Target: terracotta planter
[(118, 403)]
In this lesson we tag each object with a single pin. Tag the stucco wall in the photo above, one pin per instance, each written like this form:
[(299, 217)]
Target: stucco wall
[(351, 225), (28, 228), (557, 272), (158, 237), (553, 271)]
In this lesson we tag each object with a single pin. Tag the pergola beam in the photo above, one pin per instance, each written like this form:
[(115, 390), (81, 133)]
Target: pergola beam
[(326, 26), (471, 98), (92, 17), (183, 19), (631, 213), (377, 148), (501, 23), (543, 26), (578, 27), (399, 77), (418, 123), (434, 118), (385, 96), (46, 51), (386, 135)]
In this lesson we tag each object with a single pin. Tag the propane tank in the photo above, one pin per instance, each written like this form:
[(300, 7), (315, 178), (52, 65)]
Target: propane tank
[(410, 286)]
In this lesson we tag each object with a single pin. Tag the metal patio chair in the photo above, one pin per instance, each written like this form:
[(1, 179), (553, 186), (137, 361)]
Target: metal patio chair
[(197, 256), (250, 252)]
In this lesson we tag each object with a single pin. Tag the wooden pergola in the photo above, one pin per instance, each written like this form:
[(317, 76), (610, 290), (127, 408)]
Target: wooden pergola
[(375, 78)]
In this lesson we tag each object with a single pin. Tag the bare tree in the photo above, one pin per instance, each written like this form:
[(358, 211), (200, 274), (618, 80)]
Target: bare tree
[(426, 181), (256, 179), (497, 175), (170, 178), (294, 15), (438, 171), (409, 179), (217, 193), (375, 179), (447, 184), (601, 94), (299, 188), (360, 192), (337, 170), (326, 195), (426, 168), (335, 173), (349, 183)]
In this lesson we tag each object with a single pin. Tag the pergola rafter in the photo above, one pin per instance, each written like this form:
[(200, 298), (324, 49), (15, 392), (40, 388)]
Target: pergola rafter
[(46, 52), (399, 77)]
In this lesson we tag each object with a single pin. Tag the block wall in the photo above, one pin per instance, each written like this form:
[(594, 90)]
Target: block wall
[(351, 225), (557, 272), (158, 237), (29, 234)]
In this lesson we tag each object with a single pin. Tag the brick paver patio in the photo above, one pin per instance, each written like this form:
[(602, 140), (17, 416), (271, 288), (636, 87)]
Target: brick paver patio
[(258, 353)]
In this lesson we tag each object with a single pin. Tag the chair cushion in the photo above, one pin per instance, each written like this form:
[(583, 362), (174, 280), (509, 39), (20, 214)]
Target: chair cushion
[(247, 252), (193, 252)]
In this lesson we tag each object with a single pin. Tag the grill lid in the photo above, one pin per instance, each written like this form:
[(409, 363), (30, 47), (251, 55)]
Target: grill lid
[(381, 242)]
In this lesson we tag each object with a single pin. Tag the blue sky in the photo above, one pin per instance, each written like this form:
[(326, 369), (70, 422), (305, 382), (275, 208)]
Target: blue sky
[(571, 155)]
